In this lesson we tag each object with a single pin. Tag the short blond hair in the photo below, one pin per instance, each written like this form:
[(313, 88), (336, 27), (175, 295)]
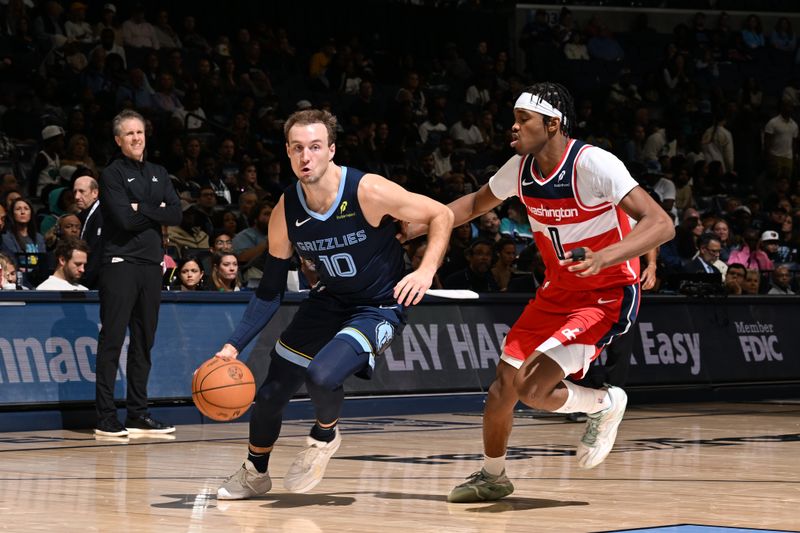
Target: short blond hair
[(312, 116)]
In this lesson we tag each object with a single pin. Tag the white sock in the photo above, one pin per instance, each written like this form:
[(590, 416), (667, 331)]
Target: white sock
[(494, 465), (584, 400)]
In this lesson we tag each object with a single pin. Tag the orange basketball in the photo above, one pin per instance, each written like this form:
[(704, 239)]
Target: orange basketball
[(223, 389)]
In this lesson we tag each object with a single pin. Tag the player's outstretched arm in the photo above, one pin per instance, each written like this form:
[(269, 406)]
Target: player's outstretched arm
[(466, 208), (381, 197), (267, 298)]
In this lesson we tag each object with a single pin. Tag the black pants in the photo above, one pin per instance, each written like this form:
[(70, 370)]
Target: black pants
[(129, 298)]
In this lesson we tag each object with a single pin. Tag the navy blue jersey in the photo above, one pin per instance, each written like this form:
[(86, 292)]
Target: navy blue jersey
[(355, 261)]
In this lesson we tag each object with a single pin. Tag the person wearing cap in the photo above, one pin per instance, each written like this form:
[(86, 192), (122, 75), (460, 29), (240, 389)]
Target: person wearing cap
[(770, 240), (579, 199), (750, 254), (137, 199), (47, 163), (108, 22)]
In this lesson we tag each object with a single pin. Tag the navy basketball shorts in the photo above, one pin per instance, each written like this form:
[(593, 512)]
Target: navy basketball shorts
[(323, 316)]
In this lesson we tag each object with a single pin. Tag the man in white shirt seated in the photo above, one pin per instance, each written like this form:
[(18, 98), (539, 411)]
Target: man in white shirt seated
[(71, 256)]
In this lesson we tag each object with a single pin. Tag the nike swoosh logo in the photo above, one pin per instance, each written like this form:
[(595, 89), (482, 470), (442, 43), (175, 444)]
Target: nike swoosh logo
[(131, 179), (298, 223), (524, 183), (602, 301), (387, 307)]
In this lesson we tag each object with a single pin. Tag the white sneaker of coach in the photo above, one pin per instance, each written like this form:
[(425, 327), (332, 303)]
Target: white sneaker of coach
[(309, 466), (601, 430)]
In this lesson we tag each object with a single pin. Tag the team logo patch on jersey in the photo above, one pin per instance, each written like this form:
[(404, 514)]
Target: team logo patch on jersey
[(343, 211), (384, 334)]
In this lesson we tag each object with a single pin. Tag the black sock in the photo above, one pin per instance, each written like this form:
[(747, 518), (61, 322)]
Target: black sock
[(323, 434), (259, 460)]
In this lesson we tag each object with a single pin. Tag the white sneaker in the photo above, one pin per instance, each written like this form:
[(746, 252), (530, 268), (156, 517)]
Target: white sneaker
[(309, 466), (601, 430), (247, 482)]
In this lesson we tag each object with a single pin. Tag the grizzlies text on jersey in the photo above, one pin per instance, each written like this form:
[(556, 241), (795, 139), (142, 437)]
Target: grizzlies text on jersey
[(354, 260)]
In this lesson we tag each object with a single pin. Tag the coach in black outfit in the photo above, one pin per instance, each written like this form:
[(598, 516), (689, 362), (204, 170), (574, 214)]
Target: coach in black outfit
[(136, 199)]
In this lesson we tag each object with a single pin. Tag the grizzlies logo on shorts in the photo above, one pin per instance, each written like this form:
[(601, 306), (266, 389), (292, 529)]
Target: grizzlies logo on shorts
[(384, 334)]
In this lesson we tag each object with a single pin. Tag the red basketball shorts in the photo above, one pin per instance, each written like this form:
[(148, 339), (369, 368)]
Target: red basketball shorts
[(559, 319)]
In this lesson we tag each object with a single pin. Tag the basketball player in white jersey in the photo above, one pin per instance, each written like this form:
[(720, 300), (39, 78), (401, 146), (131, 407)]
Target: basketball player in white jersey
[(578, 198)]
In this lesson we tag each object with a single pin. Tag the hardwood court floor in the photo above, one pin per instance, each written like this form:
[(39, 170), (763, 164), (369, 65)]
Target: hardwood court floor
[(713, 464)]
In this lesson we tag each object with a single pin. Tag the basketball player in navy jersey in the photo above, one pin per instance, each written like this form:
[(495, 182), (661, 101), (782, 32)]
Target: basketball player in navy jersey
[(577, 197), (343, 221)]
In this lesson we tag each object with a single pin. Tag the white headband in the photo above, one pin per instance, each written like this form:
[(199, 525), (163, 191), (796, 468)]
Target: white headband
[(533, 102)]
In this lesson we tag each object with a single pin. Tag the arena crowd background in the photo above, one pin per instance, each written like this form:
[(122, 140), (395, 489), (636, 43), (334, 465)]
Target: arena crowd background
[(687, 94)]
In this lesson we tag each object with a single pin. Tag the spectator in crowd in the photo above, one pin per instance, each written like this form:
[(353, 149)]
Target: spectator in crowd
[(67, 227), (489, 227), (718, 143), (750, 254), (47, 163), (780, 143), (77, 153), (108, 44), (166, 36), (137, 32), (752, 33), (770, 240), (781, 281), (709, 249), (723, 233), (2, 218), (441, 156), (108, 22), (8, 275), (752, 282), (225, 273), (783, 38), (505, 257), (186, 276), (72, 255), (656, 181), (477, 275), (21, 235), (86, 192), (433, 128), (189, 233), (734, 278), (250, 244), (76, 28), (515, 224)]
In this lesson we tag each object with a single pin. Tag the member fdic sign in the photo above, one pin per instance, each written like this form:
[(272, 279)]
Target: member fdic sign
[(48, 349)]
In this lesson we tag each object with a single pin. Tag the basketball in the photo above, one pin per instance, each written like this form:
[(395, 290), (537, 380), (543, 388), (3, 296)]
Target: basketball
[(223, 389)]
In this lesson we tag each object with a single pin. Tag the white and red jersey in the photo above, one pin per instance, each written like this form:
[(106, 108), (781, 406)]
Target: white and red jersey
[(577, 205)]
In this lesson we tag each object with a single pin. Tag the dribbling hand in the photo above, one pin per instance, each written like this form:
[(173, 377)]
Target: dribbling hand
[(227, 352), (583, 261)]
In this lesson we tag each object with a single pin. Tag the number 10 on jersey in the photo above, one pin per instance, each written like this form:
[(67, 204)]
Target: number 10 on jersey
[(339, 265)]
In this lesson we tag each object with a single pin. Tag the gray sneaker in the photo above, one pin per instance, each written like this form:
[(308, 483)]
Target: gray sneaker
[(309, 466), (601, 430), (481, 487), (246, 483)]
